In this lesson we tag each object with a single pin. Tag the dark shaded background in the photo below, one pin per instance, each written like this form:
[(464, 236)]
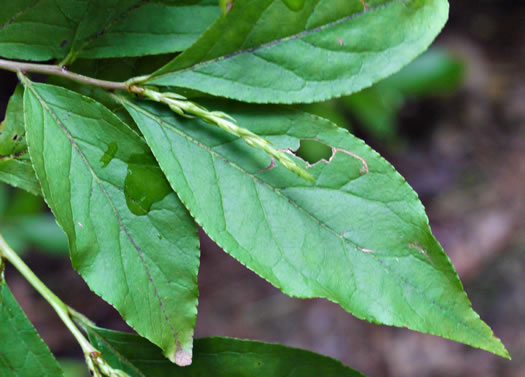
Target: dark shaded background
[(463, 153)]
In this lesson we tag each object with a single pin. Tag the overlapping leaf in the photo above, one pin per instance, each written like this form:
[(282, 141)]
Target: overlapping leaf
[(265, 52), (220, 357), (22, 351), (46, 29), (129, 236), (359, 236), (15, 165)]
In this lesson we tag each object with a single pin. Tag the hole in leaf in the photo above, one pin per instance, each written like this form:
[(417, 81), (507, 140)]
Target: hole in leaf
[(313, 151), (15, 137)]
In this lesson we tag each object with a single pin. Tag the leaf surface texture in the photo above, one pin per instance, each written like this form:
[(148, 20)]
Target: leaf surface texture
[(266, 52), (222, 357), (129, 236), (22, 352), (47, 29), (359, 236)]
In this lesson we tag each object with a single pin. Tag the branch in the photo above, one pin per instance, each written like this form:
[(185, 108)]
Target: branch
[(56, 70)]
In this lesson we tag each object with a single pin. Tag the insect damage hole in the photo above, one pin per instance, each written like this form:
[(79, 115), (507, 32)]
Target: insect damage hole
[(313, 151)]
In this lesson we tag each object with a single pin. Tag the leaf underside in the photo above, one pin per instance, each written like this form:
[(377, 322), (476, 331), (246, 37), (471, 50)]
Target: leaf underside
[(22, 352), (220, 357), (359, 236), (264, 52), (129, 236)]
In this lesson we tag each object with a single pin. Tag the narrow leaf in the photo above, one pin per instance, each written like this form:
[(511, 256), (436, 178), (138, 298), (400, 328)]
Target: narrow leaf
[(46, 29), (220, 357), (22, 352), (359, 236), (264, 51), (15, 165), (129, 236)]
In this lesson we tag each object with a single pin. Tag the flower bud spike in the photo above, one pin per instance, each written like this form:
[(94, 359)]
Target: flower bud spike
[(183, 107)]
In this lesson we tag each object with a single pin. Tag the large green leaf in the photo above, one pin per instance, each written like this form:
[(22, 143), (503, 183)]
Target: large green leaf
[(15, 165), (218, 357), (46, 29), (129, 236), (264, 52), (358, 236), (22, 351)]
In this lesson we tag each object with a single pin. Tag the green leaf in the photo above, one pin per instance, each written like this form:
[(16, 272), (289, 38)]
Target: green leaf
[(262, 51), (359, 236), (138, 27), (18, 172), (46, 29), (15, 165), (22, 351), (34, 30), (129, 236), (220, 357), (12, 131)]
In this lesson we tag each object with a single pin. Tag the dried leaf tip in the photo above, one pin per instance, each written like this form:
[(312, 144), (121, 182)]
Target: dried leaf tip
[(181, 358)]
